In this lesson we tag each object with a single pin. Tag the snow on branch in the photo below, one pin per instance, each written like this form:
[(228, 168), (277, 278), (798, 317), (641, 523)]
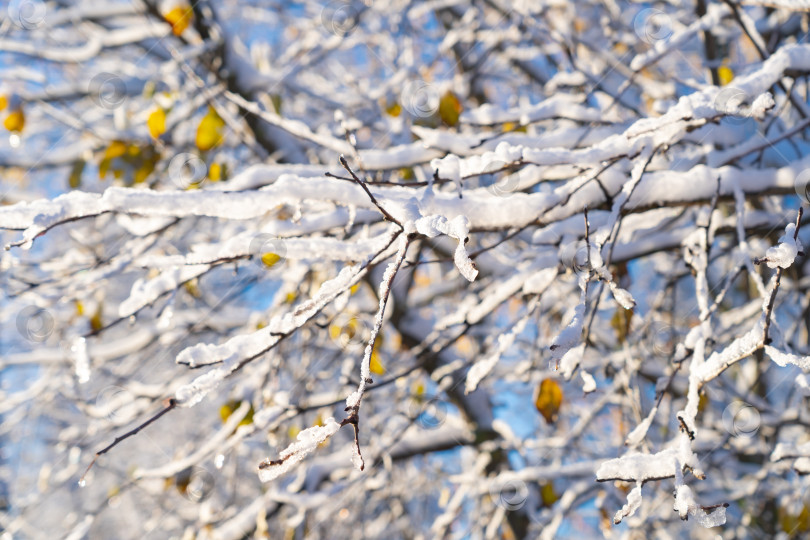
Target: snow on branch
[(559, 105), (633, 504), (483, 367), (637, 467), (784, 359), (783, 255), (249, 346), (308, 440), (715, 13), (478, 146)]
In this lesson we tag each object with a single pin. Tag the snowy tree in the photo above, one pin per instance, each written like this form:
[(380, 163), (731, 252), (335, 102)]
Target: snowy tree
[(400, 269)]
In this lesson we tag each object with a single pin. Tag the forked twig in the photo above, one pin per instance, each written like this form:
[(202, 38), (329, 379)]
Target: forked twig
[(371, 197)]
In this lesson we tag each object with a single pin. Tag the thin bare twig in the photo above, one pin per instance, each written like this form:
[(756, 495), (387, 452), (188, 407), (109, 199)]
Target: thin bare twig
[(171, 404), (362, 184)]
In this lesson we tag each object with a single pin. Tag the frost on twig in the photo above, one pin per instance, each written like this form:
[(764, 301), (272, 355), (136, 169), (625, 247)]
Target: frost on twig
[(355, 398)]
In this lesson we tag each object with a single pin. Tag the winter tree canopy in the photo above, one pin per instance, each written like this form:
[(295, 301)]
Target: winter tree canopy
[(395, 269)]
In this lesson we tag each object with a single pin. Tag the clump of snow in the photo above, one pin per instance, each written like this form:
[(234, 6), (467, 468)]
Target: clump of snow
[(357, 459), (635, 437), (588, 382), (571, 359), (458, 228), (803, 384), (448, 167), (783, 255), (570, 336), (686, 506), (622, 297), (761, 105)]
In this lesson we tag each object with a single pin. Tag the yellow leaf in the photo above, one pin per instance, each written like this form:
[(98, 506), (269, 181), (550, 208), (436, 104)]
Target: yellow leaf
[(75, 178), (547, 494), (228, 408), (143, 172), (209, 132), (703, 401), (270, 259), (179, 17), (79, 308), (725, 74), (156, 123), (395, 109), (549, 398), (376, 365), (293, 432), (514, 126), (275, 99), (115, 150), (353, 289), (291, 296), (192, 288), (621, 323), (449, 108), (215, 172), (96, 321), (793, 524), (3, 102), (103, 168), (15, 121)]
